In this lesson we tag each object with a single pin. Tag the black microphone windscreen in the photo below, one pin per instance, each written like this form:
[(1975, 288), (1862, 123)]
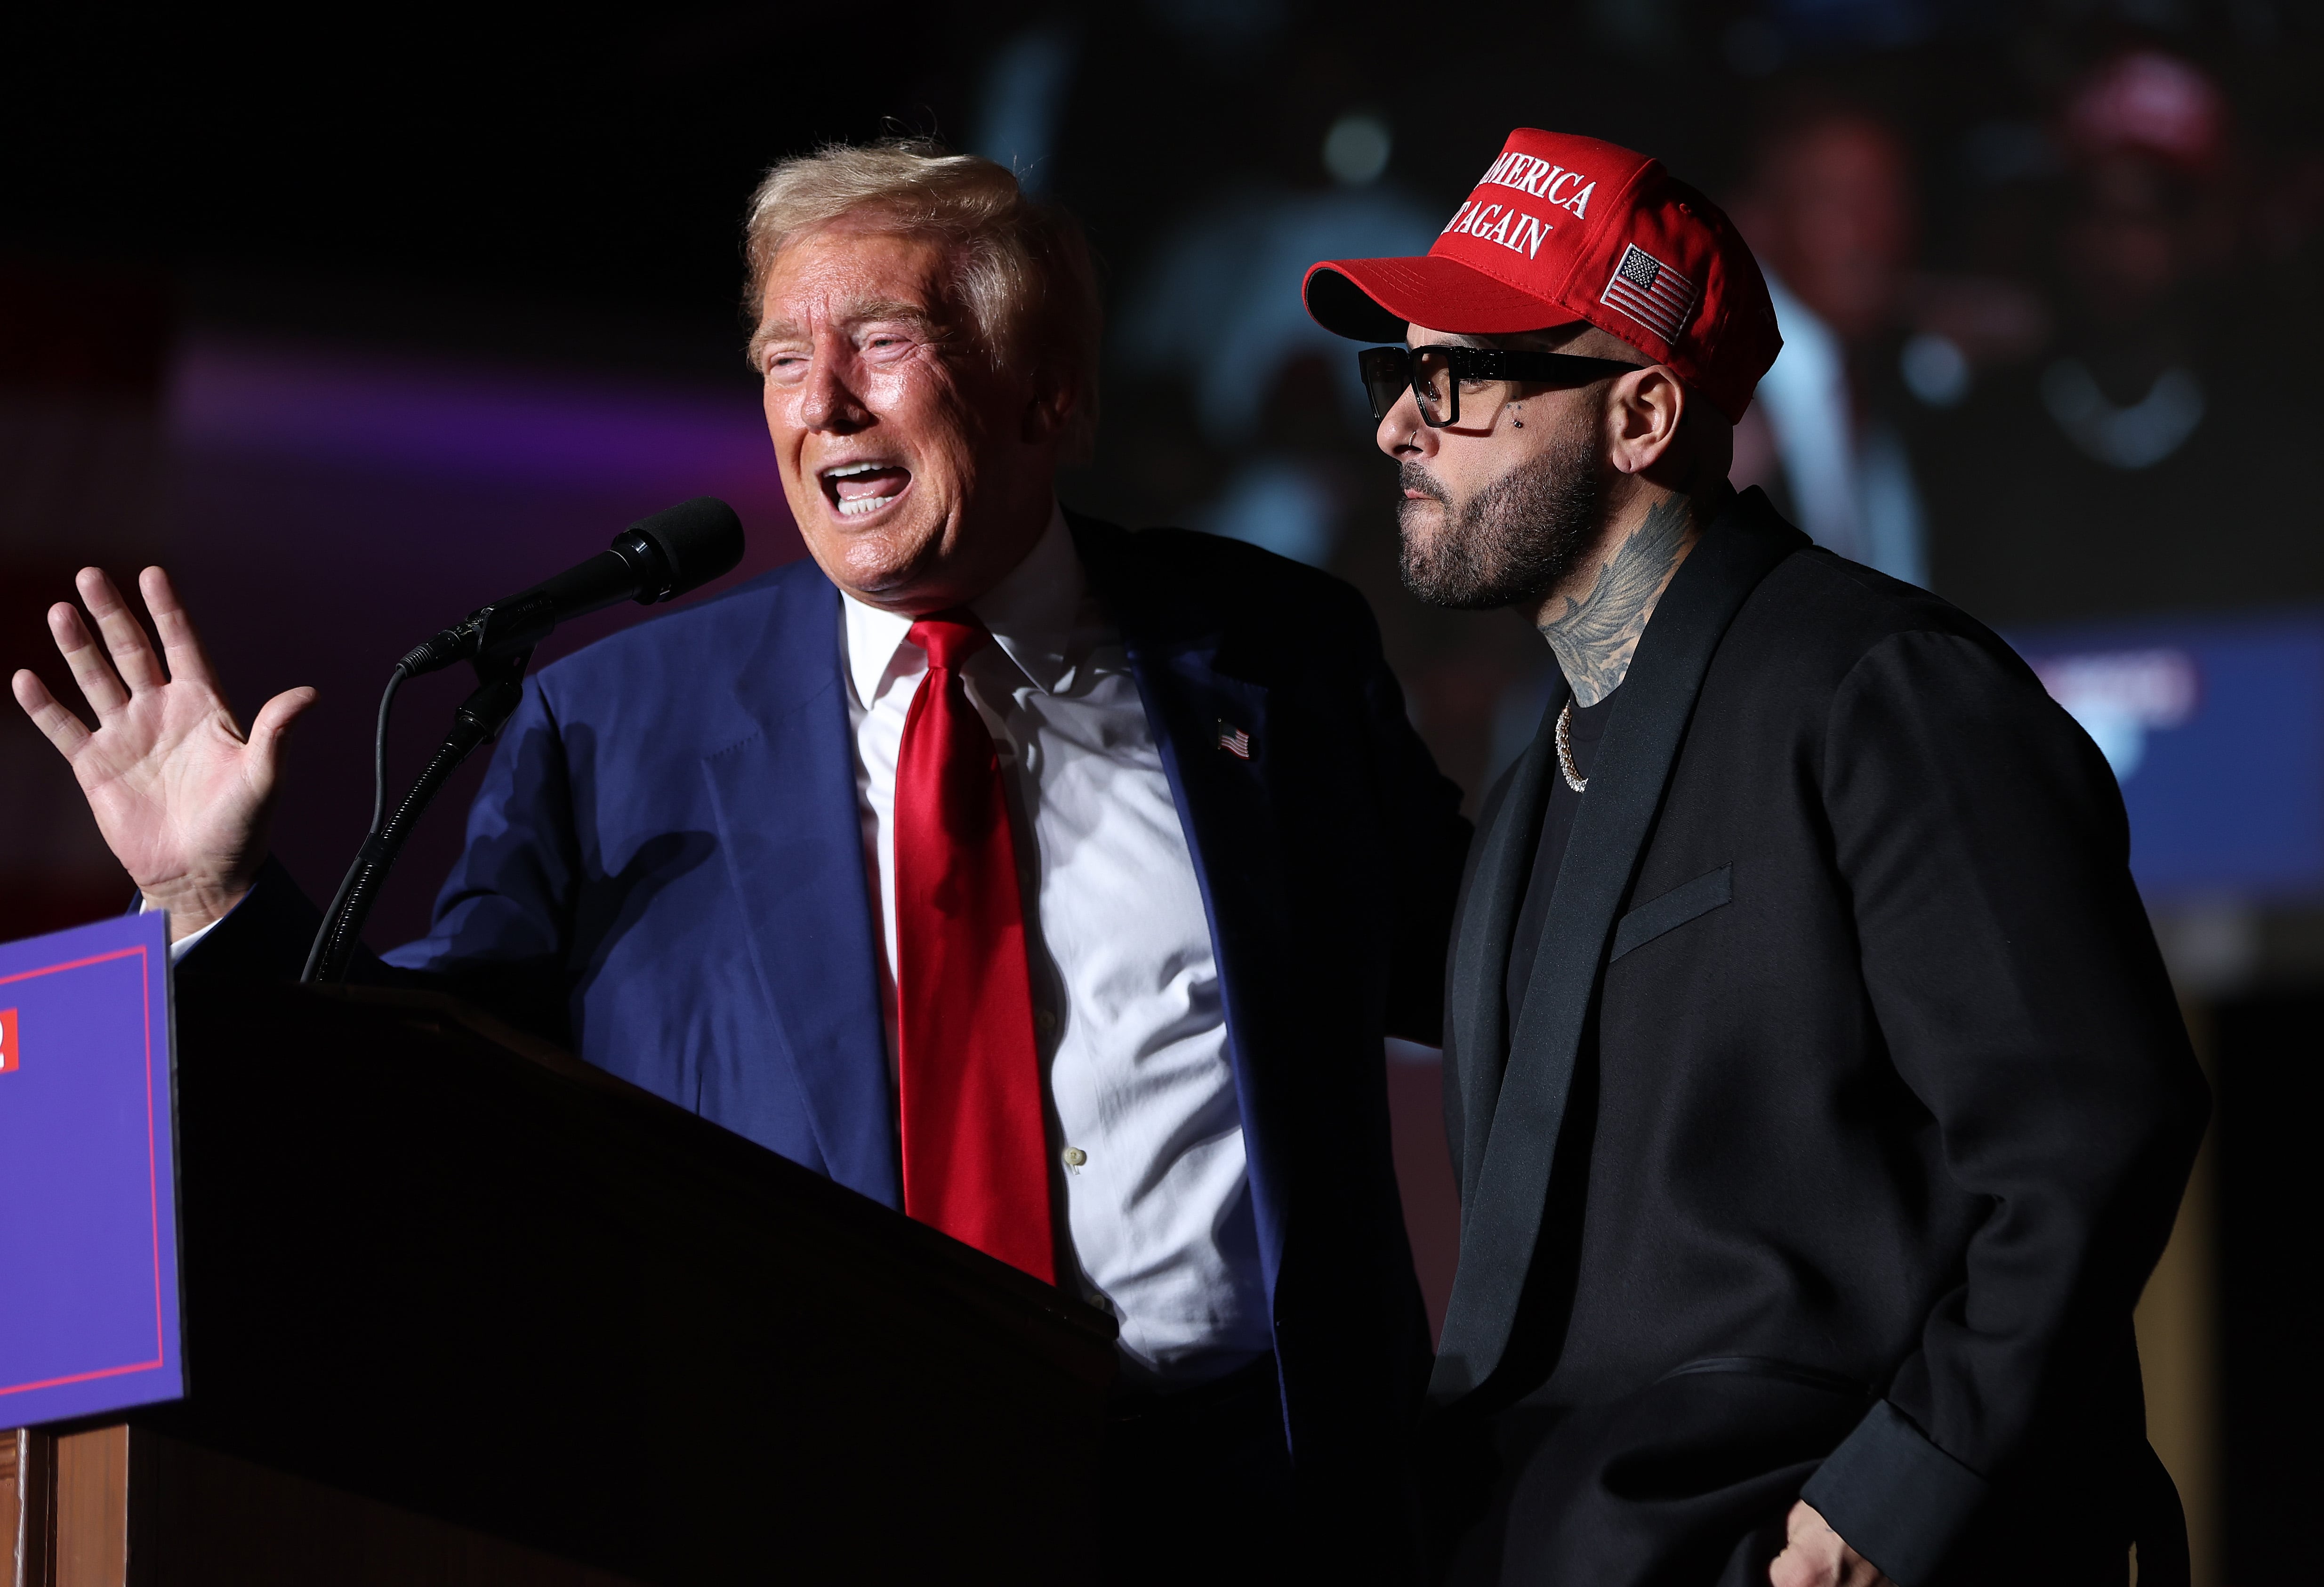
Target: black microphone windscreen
[(700, 540)]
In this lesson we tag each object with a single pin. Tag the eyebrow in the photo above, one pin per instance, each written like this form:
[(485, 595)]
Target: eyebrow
[(856, 313)]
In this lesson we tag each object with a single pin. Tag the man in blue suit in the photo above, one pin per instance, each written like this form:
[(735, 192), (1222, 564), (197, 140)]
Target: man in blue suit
[(1054, 884)]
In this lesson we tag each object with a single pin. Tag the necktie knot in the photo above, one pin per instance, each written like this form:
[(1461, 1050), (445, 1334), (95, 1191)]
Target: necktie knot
[(949, 637)]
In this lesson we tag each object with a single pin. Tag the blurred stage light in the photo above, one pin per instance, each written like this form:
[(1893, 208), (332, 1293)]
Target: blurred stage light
[(1356, 149), (1934, 370)]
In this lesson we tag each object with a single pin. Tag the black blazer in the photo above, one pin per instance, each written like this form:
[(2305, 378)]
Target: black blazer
[(1847, 1067)]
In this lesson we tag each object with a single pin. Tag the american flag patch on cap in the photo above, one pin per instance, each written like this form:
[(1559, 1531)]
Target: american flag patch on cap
[(1650, 292), (1234, 740)]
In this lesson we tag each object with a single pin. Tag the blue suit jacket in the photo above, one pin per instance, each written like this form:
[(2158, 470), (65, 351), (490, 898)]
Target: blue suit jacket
[(665, 869)]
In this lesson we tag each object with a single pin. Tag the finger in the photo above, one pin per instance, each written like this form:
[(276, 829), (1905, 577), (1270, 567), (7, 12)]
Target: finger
[(182, 646), (1792, 1568), (274, 719), (124, 636), (98, 684), (64, 730)]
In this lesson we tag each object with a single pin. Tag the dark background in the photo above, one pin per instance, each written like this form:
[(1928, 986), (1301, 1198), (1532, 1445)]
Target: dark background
[(215, 230)]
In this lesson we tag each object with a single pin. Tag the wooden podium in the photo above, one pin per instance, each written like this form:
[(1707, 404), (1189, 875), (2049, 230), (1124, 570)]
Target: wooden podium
[(461, 1310)]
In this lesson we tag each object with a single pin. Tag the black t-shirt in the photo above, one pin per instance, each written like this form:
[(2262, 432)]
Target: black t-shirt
[(1586, 728)]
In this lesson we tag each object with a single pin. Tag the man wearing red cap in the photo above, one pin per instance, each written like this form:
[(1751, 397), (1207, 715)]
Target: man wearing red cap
[(1818, 1097)]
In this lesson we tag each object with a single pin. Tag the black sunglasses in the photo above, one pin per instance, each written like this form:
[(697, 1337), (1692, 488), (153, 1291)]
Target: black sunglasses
[(1433, 374)]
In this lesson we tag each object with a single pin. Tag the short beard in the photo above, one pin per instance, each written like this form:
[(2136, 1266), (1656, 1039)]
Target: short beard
[(1512, 542)]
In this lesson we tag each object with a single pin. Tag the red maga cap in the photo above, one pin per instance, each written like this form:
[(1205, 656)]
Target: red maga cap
[(1565, 228)]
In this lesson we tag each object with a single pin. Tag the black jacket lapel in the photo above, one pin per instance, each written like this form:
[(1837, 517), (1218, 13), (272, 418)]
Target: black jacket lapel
[(1501, 1215)]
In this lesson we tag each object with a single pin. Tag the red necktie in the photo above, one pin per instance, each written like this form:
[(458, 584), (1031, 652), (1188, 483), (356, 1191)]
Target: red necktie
[(969, 1074)]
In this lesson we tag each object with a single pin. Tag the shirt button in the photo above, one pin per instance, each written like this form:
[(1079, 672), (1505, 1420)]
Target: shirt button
[(1076, 1157), (1044, 1021)]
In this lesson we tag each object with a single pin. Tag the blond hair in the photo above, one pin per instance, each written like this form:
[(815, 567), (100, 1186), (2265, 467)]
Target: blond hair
[(1024, 271)]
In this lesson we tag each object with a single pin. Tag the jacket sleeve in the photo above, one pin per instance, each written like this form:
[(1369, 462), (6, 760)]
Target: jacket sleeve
[(1429, 839), (502, 920), (264, 937), (498, 934), (2016, 984)]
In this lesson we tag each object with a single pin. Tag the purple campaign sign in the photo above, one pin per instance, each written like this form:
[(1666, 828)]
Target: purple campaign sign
[(88, 1208)]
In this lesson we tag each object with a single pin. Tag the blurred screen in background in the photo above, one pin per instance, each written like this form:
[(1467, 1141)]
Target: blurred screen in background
[(355, 337)]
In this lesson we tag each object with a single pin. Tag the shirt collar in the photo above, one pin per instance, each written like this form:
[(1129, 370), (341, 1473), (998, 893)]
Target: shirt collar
[(1031, 614)]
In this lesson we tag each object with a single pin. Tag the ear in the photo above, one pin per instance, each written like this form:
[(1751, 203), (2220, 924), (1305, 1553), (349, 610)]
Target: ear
[(1643, 412), (1048, 411)]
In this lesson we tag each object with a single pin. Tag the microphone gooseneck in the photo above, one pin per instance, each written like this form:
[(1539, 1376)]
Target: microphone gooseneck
[(658, 559), (677, 550)]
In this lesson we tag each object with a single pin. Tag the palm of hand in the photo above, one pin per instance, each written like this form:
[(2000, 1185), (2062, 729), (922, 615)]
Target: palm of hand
[(179, 794), (174, 786)]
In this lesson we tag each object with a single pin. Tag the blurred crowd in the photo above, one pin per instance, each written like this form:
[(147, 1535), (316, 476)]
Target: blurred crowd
[(2048, 276), (2094, 411), (2041, 350)]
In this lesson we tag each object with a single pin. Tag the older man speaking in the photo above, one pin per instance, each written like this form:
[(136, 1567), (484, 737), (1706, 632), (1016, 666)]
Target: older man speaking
[(1055, 884)]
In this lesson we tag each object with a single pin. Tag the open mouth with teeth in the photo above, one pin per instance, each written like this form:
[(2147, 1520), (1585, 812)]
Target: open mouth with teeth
[(858, 490)]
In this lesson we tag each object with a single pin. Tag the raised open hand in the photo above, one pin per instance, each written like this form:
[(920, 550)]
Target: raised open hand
[(181, 796)]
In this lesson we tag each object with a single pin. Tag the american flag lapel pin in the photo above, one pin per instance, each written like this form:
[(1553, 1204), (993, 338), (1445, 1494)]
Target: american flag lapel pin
[(1233, 740)]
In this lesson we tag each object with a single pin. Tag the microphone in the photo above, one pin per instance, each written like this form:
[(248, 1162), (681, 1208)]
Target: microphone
[(675, 551), (678, 550)]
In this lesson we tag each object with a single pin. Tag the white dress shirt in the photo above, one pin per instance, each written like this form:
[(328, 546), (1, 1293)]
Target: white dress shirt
[(1143, 1122)]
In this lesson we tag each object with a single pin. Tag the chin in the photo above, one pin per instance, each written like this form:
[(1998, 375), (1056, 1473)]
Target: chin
[(1416, 514), (1423, 533), (882, 560)]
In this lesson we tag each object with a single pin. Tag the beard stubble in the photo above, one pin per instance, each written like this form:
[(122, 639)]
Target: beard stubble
[(1512, 542)]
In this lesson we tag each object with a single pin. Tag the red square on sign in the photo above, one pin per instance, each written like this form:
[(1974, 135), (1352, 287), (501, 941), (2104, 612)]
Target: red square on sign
[(9, 1057)]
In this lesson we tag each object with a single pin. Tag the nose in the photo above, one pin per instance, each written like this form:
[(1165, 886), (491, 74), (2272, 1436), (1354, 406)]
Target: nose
[(1401, 434), (829, 401)]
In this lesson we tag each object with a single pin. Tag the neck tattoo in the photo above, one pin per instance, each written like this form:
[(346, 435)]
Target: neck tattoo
[(1596, 634)]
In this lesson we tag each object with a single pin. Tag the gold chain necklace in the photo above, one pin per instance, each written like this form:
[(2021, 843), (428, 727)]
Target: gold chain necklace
[(1574, 778)]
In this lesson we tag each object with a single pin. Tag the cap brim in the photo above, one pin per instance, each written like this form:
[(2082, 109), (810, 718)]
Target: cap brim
[(1373, 299)]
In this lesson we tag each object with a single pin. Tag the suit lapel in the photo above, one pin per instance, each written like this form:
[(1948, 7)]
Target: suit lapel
[(1477, 1009), (1501, 1220), (1193, 693), (784, 797)]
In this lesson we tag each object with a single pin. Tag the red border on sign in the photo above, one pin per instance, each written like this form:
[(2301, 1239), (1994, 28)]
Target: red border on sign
[(153, 1166)]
